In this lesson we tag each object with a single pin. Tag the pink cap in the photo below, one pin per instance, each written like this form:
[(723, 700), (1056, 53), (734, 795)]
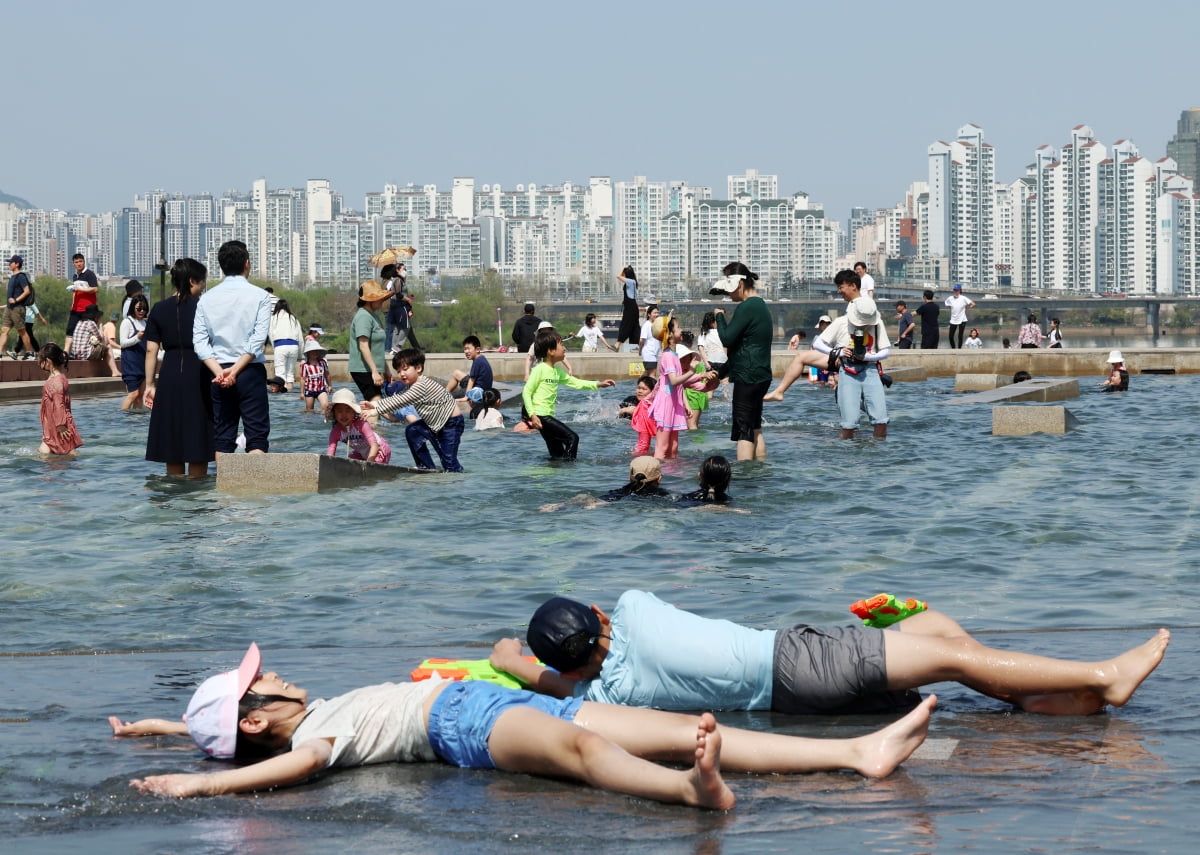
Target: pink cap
[(212, 713)]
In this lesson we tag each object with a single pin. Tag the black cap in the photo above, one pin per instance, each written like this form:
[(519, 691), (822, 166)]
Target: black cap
[(562, 633)]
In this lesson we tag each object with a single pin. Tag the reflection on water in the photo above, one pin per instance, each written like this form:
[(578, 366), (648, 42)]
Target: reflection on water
[(1091, 529)]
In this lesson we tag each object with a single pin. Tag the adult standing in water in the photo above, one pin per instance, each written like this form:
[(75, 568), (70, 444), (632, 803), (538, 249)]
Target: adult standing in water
[(285, 333), (747, 340), (368, 367), (627, 333), (180, 400)]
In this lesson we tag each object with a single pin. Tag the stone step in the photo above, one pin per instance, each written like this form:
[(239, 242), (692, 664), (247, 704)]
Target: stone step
[(301, 472), (1023, 421)]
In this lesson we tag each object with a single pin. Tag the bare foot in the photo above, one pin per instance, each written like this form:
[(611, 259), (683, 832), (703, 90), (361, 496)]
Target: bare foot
[(1132, 667), (705, 786), (775, 395), (879, 753)]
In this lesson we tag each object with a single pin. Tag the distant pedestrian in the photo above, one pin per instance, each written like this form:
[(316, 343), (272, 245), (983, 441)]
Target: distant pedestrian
[(1055, 334), (867, 281), (928, 312), (525, 329), (906, 326), (958, 303), (59, 435), (1030, 336), (627, 333)]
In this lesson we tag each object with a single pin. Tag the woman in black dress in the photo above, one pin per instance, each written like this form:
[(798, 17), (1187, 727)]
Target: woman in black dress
[(631, 320), (180, 401)]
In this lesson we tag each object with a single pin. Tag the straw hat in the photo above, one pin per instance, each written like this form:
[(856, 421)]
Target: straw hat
[(372, 292), (342, 396), (661, 327)]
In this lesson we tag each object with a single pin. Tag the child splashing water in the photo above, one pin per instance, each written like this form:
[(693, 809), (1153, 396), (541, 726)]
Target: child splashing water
[(58, 425), (246, 714), (349, 426), (668, 409)]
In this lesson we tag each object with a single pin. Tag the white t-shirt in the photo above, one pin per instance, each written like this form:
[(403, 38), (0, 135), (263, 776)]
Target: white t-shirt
[(653, 347), (490, 420), (973, 342), (713, 348), (958, 308), (590, 336), (374, 724), (868, 285)]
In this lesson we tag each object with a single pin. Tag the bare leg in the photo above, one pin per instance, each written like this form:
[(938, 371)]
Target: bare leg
[(880, 431), (197, 470), (755, 449), (528, 740), (795, 371), (658, 735), (915, 659)]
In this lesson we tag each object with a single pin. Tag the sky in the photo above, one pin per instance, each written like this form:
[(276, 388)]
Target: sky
[(839, 100)]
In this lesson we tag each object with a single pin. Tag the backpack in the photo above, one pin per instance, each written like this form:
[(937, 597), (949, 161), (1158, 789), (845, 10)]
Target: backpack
[(28, 301)]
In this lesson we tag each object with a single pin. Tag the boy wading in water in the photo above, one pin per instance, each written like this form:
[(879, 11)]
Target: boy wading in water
[(249, 715)]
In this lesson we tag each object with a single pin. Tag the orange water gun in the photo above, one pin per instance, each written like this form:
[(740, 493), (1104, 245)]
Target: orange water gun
[(884, 610), (466, 669)]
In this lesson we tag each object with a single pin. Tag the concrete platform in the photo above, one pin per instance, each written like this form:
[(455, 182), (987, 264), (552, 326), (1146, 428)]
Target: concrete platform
[(301, 473), (910, 374), (1039, 389), (980, 382), (1023, 421)]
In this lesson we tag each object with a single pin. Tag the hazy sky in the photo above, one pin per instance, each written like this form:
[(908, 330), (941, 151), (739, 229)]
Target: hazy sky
[(839, 99)]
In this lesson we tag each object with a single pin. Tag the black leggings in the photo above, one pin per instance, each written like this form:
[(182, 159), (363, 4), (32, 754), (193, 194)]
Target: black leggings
[(561, 441), (956, 332)]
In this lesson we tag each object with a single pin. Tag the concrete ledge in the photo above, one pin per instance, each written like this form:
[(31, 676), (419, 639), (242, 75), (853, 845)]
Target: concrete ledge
[(299, 473), (1039, 389), (912, 374), (1022, 421), (979, 382)]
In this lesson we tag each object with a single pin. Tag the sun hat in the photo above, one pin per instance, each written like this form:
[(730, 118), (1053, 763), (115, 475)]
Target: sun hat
[(475, 395), (562, 633), (645, 468), (1115, 357), (726, 284), (661, 327), (343, 396), (313, 328), (545, 325), (212, 713), (684, 352), (824, 319), (861, 312), (372, 292), (312, 345)]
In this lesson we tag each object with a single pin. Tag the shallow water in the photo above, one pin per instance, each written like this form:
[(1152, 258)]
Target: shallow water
[(1089, 531)]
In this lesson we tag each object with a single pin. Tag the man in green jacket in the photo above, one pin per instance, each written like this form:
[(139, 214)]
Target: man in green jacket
[(747, 339)]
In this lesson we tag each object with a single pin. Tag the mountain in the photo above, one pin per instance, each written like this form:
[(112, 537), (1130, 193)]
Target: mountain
[(14, 200)]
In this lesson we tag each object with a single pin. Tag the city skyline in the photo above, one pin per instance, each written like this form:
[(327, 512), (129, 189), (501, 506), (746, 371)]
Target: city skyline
[(534, 91)]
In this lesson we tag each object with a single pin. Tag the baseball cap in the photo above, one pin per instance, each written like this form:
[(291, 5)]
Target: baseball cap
[(562, 633), (16, 259), (647, 467), (212, 713), (957, 287), (475, 395)]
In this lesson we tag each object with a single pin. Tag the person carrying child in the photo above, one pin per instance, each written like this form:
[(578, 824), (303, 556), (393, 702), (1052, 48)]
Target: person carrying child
[(350, 427), (540, 394), (440, 425), (248, 715), (1118, 374), (315, 380), (668, 409), (59, 435)]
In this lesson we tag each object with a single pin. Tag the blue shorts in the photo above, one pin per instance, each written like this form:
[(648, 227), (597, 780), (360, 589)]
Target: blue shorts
[(464, 714)]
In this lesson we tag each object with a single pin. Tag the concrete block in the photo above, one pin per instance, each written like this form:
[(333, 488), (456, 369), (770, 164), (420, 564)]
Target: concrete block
[(299, 473), (908, 374), (1039, 389), (980, 382), (1022, 421)]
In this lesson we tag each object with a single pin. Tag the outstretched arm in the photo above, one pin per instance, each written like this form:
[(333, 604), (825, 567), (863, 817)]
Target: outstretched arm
[(146, 727), (293, 767), (506, 656)]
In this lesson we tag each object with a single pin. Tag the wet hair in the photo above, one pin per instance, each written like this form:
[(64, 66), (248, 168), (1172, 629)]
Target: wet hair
[(184, 272), (647, 381), (53, 354), (715, 473), (708, 321), (847, 276), (411, 357), (545, 341), (927, 294), (232, 257), (736, 268), (474, 340), (1022, 376), (249, 749), (139, 300), (589, 319)]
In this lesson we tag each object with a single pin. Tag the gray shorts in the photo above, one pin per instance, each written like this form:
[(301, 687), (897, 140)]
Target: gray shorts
[(831, 670)]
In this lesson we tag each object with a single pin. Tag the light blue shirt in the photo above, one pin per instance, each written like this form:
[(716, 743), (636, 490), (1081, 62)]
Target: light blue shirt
[(668, 659), (232, 319)]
